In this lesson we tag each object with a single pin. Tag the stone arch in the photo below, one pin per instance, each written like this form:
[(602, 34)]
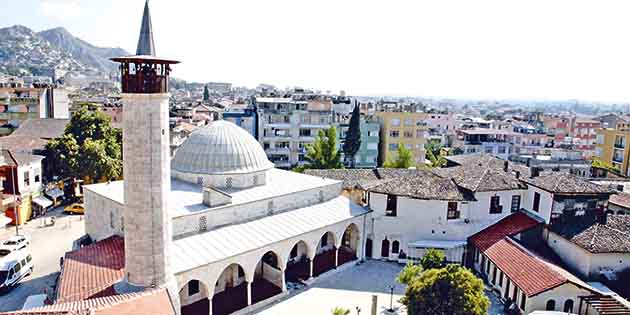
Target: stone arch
[(268, 277), (551, 305), (230, 290), (325, 253), (350, 244), (194, 297), (385, 248), (298, 261), (568, 306)]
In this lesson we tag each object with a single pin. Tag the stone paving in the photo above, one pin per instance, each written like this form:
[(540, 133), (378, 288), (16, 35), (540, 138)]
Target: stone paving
[(349, 288), (48, 244)]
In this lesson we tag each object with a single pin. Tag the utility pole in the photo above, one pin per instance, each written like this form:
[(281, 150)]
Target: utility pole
[(16, 201)]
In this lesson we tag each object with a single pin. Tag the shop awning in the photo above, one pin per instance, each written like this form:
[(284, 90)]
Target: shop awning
[(42, 202), (54, 193)]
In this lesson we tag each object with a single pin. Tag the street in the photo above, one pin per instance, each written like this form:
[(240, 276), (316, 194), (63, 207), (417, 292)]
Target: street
[(48, 245)]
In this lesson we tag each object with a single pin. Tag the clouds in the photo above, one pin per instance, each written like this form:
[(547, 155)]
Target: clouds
[(61, 9)]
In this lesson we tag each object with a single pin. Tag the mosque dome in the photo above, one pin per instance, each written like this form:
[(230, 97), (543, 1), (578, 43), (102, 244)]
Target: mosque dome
[(220, 148)]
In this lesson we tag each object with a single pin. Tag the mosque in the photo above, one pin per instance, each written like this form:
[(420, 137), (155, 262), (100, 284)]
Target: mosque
[(218, 227)]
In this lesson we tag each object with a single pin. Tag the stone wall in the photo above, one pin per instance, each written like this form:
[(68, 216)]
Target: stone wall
[(103, 216)]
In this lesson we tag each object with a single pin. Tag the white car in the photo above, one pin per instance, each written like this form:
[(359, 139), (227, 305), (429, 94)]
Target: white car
[(16, 242)]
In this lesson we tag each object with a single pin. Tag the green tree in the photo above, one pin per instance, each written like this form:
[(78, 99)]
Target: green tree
[(449, 290), (434, 154), (206, 94), (340, 311), (90, 149), (432, 259), (404, 158), (352, 142), (323, 153), (409, 273)]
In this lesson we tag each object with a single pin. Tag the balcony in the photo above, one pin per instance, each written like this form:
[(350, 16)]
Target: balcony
[(620, 145)]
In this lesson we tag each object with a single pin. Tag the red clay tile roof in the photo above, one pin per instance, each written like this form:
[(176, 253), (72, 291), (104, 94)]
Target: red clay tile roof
[(620, 199), (148, 302), (511, 225), (92, 270), (530, 273)]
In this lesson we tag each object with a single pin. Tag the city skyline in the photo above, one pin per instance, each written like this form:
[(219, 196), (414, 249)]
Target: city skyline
[(486, 50)]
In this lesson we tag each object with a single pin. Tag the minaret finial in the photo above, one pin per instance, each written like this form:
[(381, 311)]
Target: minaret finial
[(146, 46)]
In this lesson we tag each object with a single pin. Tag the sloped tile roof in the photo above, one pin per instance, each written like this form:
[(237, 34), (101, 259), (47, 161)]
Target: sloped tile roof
[(530, 273), (91, 271), (44, 128), (24, 143), (620, 199), (563, 183), (511, 225), (147, 302), (613, 236), (352, 178), (483, 172)]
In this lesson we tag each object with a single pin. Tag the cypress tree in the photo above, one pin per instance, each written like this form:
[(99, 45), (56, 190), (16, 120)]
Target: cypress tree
[(352, 142)]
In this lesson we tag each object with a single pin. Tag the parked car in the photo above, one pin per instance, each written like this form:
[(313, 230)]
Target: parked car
[(75, 208), (14, 267), (16, 242)]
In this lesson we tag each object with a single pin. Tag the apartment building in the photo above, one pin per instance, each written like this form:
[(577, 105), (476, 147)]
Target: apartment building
[(286, 125), (367, 157), (20, 103), (408, 129), (584, 134), (612, 146), (441, 127)]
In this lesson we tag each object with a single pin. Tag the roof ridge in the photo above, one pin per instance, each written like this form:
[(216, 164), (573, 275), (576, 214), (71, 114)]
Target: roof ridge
[(537, 257)]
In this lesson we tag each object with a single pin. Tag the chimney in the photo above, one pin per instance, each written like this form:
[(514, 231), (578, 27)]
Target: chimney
[(505, 166), (535, 172), (517, 174)]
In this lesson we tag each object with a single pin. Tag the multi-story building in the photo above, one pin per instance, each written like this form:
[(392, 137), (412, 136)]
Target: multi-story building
[(498, 142), (583, 133), (367, 157), (441, 127), (287, 125), (21, 103), (244, 118), (402, 128), (613, 145)]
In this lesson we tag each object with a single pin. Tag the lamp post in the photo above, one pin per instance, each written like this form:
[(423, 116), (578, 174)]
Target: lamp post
[(391, 298)]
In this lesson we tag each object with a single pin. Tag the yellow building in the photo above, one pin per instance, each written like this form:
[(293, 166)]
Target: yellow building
[(612, 146), (404, 128)]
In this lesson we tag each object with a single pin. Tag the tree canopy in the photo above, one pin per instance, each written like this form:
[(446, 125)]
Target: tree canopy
[(90, 149), (323, 153), (449, 290), (433, 258), (434, 154), (404, 158), (206, 93), (352, 142)]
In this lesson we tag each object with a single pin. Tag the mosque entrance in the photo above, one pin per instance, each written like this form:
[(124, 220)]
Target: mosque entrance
[(230, 291), (194, 298), (268, 278), (349, 245), (325, 255), (298, 265)]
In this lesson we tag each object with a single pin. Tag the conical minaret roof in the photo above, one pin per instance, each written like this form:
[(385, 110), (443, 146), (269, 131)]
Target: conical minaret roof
[(146, 46)]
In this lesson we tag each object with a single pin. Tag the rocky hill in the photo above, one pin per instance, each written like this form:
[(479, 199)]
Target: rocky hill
[(23, 51)]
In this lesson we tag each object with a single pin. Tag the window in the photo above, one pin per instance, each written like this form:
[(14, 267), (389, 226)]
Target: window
[(536, 206), (516, 203), (551, 305), (17, 268), (324, 240), (372, 133), (500, 278), (193, 287), (395, 247), (27, 179), (266, 145), (408, 122), (568, 306), (393, 146), (591, 204), (392, 201), (394, 133), (419, 133), (305, 132), (523, 299), (395, 122), (37, 175), (494, 275), (452, 213), (495, 206), (408, 134)]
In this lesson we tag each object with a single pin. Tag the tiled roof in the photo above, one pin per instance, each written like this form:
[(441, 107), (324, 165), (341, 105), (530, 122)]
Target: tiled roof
[(352, 178), (613, 236), (530, 273), (483, 172), (24, 143), (147, 302), (564, 183), (511, 225), (44, 128), (620, 199), (91, 271)]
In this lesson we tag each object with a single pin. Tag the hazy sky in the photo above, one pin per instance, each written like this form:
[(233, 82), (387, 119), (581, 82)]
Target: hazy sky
[(480, 49)]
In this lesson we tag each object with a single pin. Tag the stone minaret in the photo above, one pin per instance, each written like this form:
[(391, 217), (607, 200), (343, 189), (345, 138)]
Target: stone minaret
[(146, 161)]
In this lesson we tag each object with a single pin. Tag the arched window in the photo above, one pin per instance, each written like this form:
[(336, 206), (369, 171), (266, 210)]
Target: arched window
[(551, 305), (395, 247), (568, 306)]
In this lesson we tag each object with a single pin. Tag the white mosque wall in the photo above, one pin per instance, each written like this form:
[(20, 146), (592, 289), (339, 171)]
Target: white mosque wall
[(231, 214), (223, 181), (103, 216)]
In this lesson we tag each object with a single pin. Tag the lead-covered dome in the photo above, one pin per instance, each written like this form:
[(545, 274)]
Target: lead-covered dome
[(220, 148)]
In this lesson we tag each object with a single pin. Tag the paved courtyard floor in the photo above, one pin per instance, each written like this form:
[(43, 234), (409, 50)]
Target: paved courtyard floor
[(348, 288)]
